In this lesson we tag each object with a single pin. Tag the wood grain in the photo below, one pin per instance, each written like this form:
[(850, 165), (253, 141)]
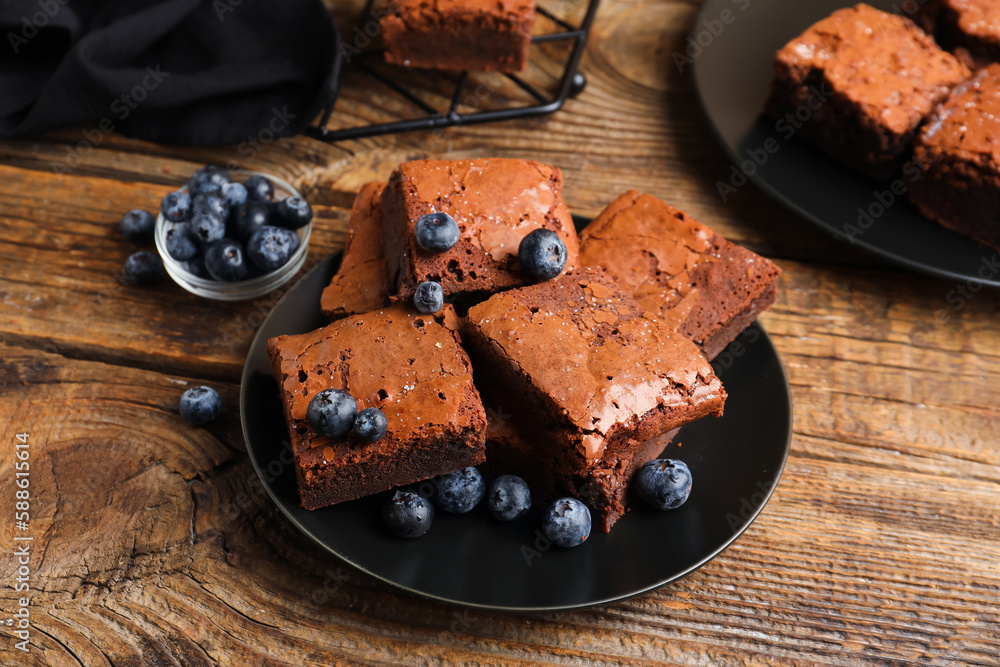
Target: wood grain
[(155, 544)]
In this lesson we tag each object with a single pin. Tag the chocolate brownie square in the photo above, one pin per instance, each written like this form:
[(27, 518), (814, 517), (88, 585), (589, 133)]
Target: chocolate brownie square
[(679, 269), (408, 365), (360, 283), (485, 35), (958, 153), (604, 487), (968, 28), (858, 84), (496, 203), (585, 373)]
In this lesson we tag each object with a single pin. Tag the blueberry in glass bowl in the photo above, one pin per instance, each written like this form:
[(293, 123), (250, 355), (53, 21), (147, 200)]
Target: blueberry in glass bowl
[(279, 262)]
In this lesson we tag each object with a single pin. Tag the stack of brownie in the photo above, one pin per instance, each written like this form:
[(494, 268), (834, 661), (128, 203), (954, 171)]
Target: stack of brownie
[(571, 383), (894, 102)]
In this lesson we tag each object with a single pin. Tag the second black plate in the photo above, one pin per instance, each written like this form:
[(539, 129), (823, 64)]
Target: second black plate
[(472, 560), (733, 70)]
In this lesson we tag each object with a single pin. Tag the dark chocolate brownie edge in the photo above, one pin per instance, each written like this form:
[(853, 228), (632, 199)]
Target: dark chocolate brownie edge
[(717, 342)]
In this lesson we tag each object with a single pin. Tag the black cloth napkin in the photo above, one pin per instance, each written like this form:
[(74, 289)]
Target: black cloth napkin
[(202, 72)]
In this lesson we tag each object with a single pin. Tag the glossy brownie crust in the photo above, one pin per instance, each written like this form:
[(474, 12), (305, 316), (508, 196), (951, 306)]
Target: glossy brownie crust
[(968, 28), (496, 203), (680, 270), (583, 369), (959, 154), (859, 82), (408, 365), (482, 35), (360, 283)]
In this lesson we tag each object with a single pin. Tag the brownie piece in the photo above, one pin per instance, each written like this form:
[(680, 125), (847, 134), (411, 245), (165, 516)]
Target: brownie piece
[(857, 85), (679, 269), (968, 28), (485, 35), (360, 283), (408, 365), (496, 203), (958, 153), (604, 487), (587, 376)]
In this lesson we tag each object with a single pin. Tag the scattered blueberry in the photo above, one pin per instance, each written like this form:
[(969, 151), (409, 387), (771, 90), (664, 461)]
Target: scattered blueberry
[(176, 207), (566, 522), (407, 514), (226, 261), (205, 203), (248, 219), (208, 228), (234, 194), (437, 232), (429, 297), (292, 213), (509, 497), (270, 248), (331, 412), (143, 268), (371, 425), (182, 243), (200, 405), (542, 254), (138, 226), (664, 483), (209, 179), (259, 188), (458, 492)]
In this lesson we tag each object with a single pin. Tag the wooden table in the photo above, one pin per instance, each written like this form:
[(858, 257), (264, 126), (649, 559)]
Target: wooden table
[(153, 544)]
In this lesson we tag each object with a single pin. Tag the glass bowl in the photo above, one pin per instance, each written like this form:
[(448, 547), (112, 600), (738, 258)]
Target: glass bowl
[(244, 289)]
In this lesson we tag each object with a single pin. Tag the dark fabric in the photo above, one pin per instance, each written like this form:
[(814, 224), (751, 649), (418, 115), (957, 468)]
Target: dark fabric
[(172, 71)]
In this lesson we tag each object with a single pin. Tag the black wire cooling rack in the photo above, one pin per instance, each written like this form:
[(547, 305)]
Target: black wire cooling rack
[(540, 100)]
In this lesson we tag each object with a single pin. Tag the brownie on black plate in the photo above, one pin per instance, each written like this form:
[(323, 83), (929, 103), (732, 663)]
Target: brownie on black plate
[(958, 152), (408, 365), (859, 83), (679, 269), (968, 28)]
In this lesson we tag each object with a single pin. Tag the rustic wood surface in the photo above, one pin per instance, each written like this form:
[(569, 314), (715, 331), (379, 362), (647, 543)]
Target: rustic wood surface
[(154, 546)]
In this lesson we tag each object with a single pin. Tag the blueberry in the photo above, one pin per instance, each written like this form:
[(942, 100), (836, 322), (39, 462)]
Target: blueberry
[(429, 297), (458, 492), (371, 425), (566, 522), (196, 267), (542, 254), (331, 412), (248, 219), (226, 261), (176, 206), (200, 405), (664, 483), (182, 243), (234, 194), (138, 226), (209, 179), (143, 268), (208, 228), (437, 232), (259, 188), (205, 203), (407, 514), (509, 497), (271, 247), (292, 213)]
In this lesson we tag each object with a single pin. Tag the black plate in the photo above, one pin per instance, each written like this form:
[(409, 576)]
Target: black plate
[(733, 75), (475, 561)]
